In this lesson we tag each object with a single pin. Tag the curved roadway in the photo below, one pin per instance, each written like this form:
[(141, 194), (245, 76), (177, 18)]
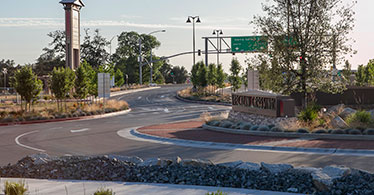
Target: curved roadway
[(99, 136)]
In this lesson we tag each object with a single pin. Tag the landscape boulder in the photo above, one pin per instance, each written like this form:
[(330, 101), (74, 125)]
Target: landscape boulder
[(347, 112), (323, 179), (338, 123), (275, 168), (196, 162)]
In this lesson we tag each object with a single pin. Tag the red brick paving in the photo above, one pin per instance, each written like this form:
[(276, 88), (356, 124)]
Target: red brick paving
[(192, 131)]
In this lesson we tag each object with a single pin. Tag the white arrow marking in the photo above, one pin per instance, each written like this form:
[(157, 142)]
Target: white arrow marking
[(79, 130)]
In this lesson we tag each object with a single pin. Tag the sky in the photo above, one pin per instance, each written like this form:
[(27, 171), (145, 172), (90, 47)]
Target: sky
[(24, 25)]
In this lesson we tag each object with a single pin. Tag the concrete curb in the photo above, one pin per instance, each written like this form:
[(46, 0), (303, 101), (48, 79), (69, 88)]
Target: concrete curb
[(68, 119), (230, 146), (291, 135), (201, 101)]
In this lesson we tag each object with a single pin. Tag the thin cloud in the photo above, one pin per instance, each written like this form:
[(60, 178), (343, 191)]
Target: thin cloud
[(58, 22)]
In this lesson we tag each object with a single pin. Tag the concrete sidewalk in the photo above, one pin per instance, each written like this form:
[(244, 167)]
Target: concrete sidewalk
[(73, 187)]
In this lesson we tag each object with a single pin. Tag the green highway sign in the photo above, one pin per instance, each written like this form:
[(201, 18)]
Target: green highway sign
[(249, 44)]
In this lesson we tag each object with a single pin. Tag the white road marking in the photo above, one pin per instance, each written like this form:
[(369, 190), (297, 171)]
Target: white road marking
[(162, 96), (148, 100), (211, 108), (166, 110), (54, 128), (79, 130), (28, 147), (140, 97)]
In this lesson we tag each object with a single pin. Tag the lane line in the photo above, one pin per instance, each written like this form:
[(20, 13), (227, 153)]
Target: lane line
[(25, 146), (79, 130)]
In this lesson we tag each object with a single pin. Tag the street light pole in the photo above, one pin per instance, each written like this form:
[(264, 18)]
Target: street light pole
[(193, 33), (218, 32), (140, 62), (151, 62), (5, 71)]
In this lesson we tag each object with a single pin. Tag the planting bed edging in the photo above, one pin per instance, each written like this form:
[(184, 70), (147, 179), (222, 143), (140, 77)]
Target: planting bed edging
[(238, 174), (201, 101), (69, 119), (290, 135)]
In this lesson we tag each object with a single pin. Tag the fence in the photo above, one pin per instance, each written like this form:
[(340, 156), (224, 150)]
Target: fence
[(352, 96)]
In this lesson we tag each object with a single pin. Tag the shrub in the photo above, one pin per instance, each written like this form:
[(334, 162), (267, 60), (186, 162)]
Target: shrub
[(276, 129), (360, 120), (263, 128), (302, 131), (246, 126), (225, 124), (355, 132), (310, 113), (320, 131), (254, 128), (337, 131), (15, 188), (216, 193), (103, 191), (369, 132)]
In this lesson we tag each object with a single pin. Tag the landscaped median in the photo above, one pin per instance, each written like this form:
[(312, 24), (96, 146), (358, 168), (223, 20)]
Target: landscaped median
[(175, 170), (49, 112), (206, 96)]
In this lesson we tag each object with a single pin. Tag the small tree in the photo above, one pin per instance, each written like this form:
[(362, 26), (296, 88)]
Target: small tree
[(212, 74), (235, 79), (62, 81), (82, 82), (119, 79), (195, 76), (203, 74), (27, 85), (347, 71), (220, 77), (361, 76)]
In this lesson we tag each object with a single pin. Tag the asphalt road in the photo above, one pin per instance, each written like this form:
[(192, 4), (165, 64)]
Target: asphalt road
[(99, 136)]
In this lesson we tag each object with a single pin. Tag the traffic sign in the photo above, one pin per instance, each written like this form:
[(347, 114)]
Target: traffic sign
[(249, 44)]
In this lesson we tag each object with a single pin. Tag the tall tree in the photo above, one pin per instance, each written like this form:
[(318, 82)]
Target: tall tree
[(27, 85), (305, 37), (127, 53), (180, 74), (93, 49), (234, 78), (52, 56), (119, 79)]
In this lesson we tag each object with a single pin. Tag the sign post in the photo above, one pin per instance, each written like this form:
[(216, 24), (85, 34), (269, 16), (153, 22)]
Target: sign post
[(103, 85)]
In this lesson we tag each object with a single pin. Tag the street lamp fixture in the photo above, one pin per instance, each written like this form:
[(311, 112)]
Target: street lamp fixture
[(218, 32), (191, 19)]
